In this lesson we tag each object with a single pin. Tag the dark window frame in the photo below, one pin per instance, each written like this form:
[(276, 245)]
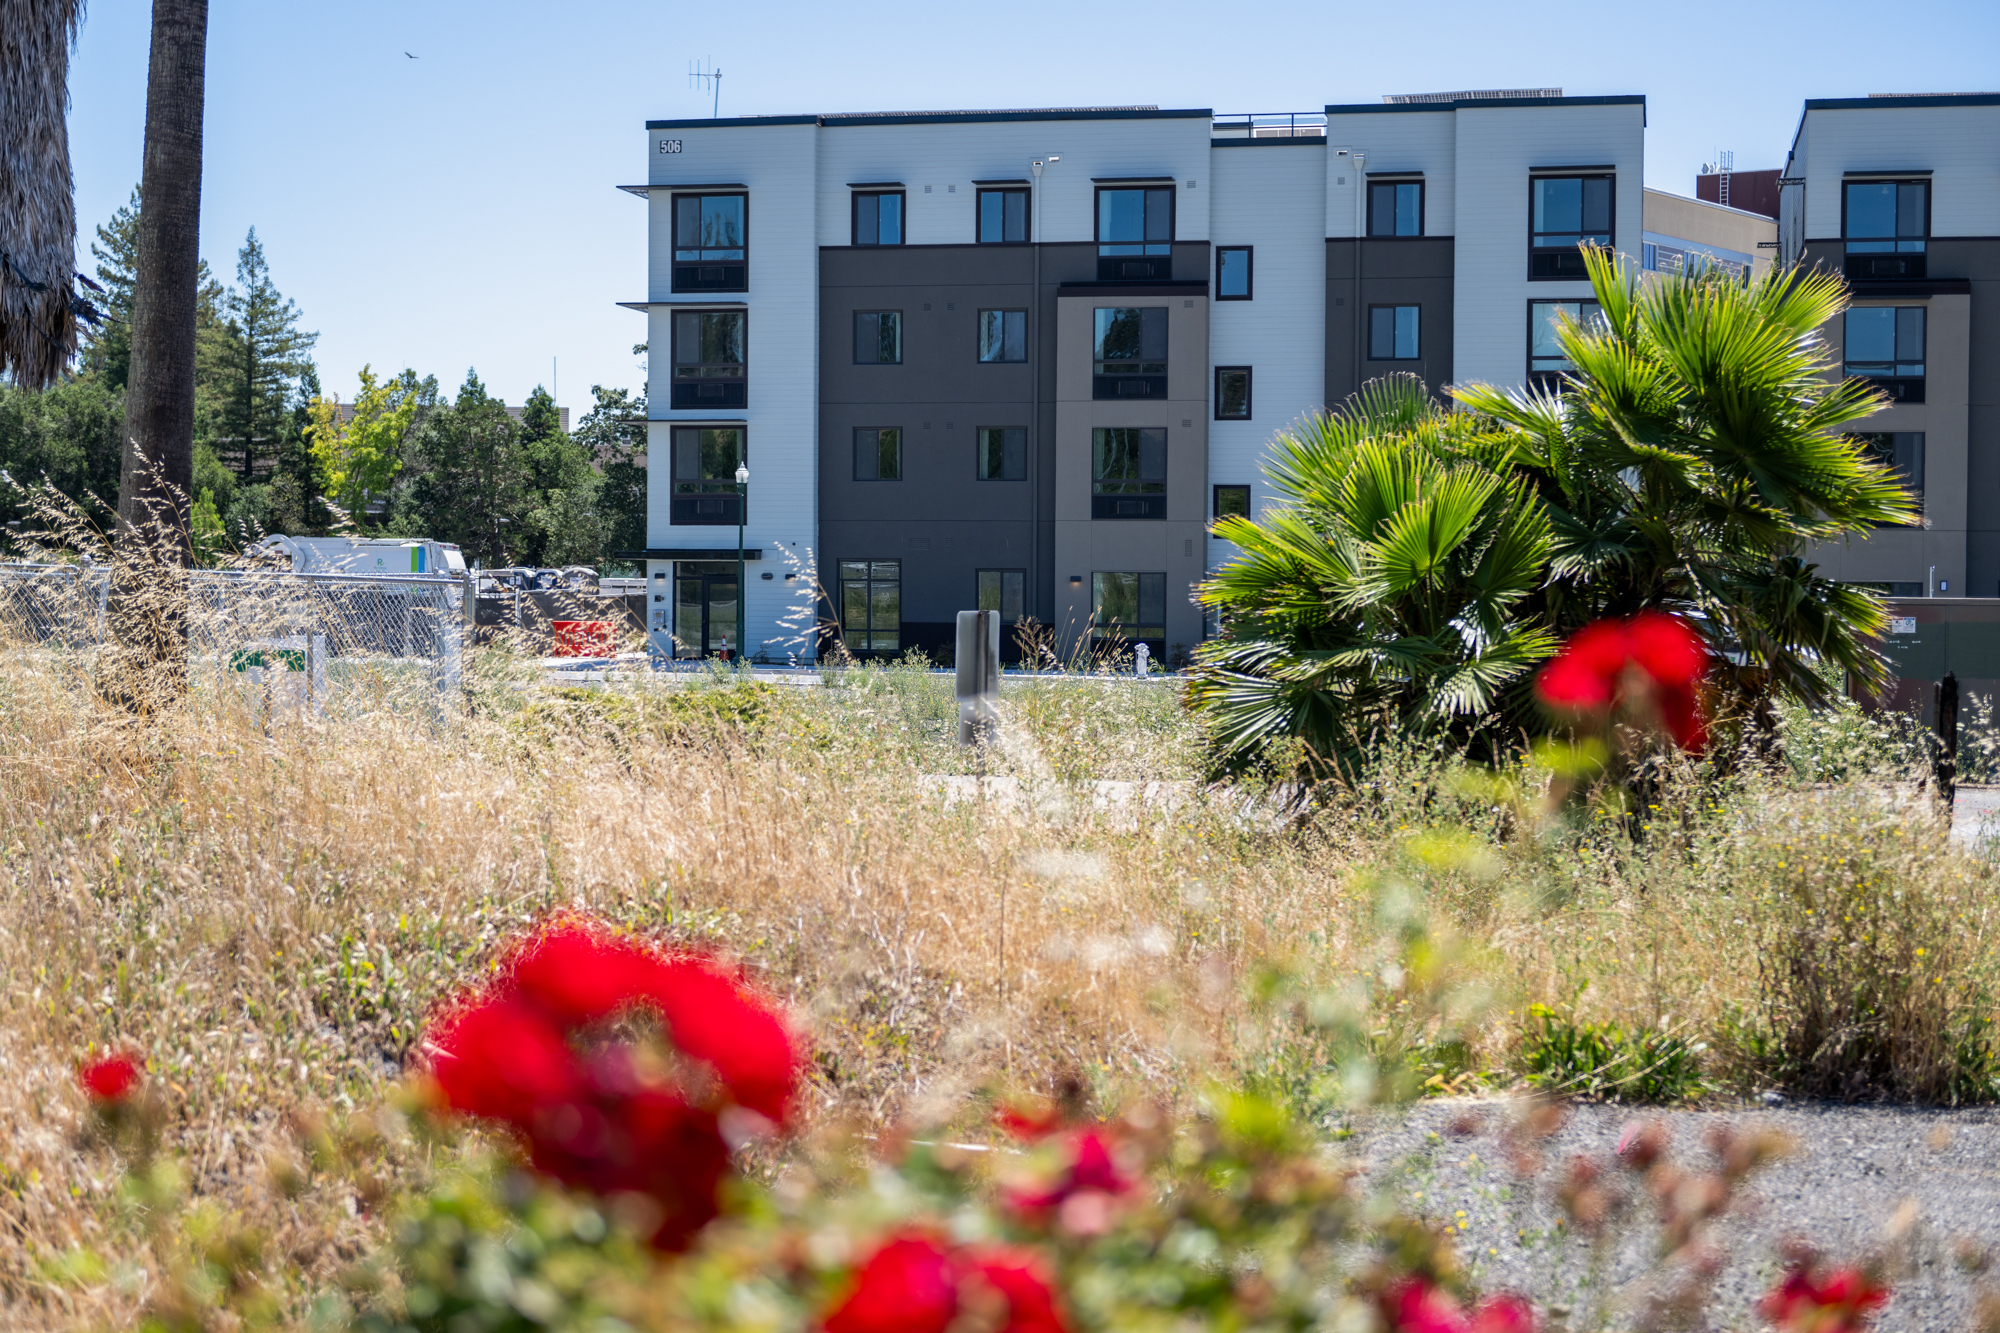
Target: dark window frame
[(1875, 442), (1027, 213), (868, 580), (1249, 392), (1215, 500), (1141, 595), (857, 337), (1373, 306), (979, 335), (1249, 253), (726, 283), (1545, 376), (1930, 197), (1144, 378), (1610, 229), (1892, 379), (854, 219), (877, 431), (979, 453), (1019, 574), (687, 496), (1170, 188), (739, 382), (1138, 496), (1423, 204), (1896, 262)]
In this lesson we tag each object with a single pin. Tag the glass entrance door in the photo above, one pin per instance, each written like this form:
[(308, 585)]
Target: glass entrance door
[(704, 607)]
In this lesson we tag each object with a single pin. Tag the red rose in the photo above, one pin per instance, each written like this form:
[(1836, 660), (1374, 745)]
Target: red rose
[(1504, 1313), (580, 974), (1585, 673), (1591, 672), (1021, 1277), (1090, 1170), (1837, 1303), (909, 1285), (713, 1018), (502, 1059), (1416, 1305), (109, 1080)]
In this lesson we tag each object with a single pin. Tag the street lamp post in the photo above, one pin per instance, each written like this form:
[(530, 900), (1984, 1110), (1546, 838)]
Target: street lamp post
[(742, 588)]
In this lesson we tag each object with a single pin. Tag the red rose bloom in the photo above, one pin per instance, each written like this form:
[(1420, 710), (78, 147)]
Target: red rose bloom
[(1091, 1169), (109, 1080), (591, 1117), (1021, 1277), (1417, 1305), (910, 1285), (1596, 672), (1839, 1302), (1504, 1313)]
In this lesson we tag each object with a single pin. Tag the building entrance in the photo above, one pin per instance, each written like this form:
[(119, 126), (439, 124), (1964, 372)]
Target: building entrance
[(705, 593)]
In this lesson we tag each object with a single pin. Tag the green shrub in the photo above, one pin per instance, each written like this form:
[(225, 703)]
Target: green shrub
[(1571, 1057)]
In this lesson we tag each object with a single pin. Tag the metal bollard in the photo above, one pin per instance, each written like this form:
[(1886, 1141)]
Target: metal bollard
[(978, 676), (1142, 657)]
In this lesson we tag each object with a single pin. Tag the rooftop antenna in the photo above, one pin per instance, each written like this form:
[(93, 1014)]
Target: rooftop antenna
[(704, 74)]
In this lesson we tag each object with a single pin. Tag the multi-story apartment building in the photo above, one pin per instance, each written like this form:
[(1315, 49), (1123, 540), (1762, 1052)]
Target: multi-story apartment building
[(1022, 359), (1900, 194)]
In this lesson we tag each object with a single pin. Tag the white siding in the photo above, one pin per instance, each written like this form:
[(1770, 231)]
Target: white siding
[(776, 163), (1496, 149), (943, 156), (1272, 199), (1956, 143), (1393, 141)]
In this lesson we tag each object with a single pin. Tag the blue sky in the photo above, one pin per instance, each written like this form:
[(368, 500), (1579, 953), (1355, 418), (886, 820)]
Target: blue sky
[(457, 210)]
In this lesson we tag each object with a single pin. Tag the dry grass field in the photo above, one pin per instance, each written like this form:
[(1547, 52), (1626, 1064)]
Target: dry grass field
[(268, 911)]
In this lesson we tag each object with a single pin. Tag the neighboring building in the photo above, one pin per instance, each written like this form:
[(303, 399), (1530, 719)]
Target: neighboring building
[(1680, 232), (1022, 359), (1899, 193), (1749, 191)]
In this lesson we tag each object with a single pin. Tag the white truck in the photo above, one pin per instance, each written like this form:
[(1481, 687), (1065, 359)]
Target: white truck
[(366, 555)]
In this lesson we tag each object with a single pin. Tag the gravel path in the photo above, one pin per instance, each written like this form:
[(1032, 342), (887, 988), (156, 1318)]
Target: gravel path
[(1854, 1170)]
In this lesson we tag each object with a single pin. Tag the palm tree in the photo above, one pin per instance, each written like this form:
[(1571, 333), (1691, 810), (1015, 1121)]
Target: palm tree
[(1385, 593), (1423, 560), (157, 470), (37, 201), (1696, 450)]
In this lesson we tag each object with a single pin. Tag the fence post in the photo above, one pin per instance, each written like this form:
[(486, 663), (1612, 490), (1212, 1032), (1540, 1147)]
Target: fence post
[(1945, 711), (978, 676)]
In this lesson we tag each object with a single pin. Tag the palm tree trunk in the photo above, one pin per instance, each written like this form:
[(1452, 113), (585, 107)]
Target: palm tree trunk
[(157, 469)]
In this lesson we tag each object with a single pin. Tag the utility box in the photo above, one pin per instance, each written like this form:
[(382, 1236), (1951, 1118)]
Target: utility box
[(366, 555), (283, 676)]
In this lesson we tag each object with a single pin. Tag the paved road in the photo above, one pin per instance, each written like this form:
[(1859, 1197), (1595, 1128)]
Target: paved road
[(1975, 816), (1855, 1169)]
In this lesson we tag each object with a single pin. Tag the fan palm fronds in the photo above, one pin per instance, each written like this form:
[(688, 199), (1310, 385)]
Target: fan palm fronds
[(37, 201)]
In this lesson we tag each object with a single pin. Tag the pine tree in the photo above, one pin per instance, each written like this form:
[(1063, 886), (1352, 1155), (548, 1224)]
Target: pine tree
[(107, 352), (266, 352)]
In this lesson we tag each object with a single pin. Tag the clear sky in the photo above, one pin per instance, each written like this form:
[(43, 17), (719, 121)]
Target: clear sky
[(458, 209)]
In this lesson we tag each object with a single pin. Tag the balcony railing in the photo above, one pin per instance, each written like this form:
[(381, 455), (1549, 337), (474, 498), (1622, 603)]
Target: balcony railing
[(1270, 125)]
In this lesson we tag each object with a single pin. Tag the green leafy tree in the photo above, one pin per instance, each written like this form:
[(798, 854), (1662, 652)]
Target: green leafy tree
[(67, 436), (614, 435), (470, 478), (361, 453), (1698, 448), (107, 352), (264, 352)]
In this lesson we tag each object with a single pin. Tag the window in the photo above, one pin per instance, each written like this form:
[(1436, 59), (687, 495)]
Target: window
[(1003, 217), (878, 218), (1002, 590), (1564, 213), (1003, 335), (1128, 606), (1232, 502), (711, 240), (1003, 453), (1131, 352), (878, 453), (1886, 225), (1135, 232), (705, 459), (1392, 333), (878, 337), (1232, 393), (871, 605), (708, 359), (1902, 452), (1545, 353), (1233, 272), (1886, 344), (1395, 208), (1128, 471)]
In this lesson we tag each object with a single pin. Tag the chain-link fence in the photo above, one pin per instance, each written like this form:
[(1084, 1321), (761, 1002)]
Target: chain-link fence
[(317, 636)]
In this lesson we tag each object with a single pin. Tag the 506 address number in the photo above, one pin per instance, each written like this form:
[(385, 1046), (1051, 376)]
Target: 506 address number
[(670, 145)]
